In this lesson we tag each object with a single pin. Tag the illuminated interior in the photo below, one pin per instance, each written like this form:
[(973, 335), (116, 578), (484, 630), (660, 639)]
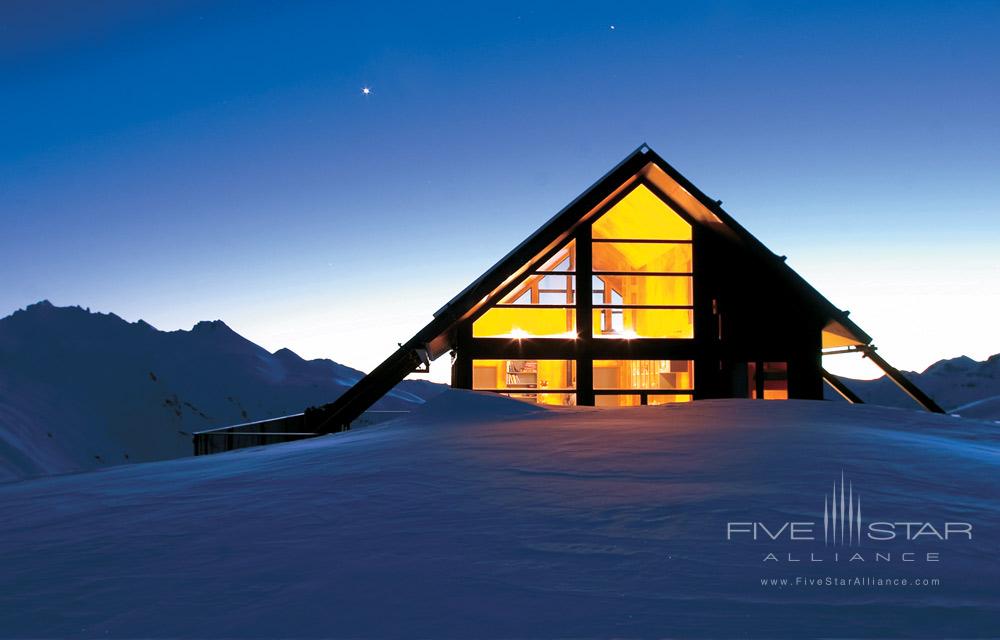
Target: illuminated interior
[(642, 270), (657, 400), (642, 286), (672, 375), (540, 306), (517, 323), (768, 380), (640, 257), (542, 381), (642, 280), (641, 215), (651, 378)]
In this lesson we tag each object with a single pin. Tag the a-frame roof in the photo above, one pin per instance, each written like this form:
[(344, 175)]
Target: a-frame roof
[(641, 166)]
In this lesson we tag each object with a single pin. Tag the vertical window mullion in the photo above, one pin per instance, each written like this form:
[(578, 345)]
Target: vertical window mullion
[(584, 316)]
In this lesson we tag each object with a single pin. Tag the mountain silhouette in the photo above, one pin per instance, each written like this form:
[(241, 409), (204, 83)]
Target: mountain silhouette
[(960, 385), (82, 390)]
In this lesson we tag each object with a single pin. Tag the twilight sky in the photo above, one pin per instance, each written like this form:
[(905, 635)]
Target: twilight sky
[(182, 162)]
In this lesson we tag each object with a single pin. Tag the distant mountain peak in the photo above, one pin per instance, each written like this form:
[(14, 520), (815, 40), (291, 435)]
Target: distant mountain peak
[(952, 365), (211, 325), (285, 353)]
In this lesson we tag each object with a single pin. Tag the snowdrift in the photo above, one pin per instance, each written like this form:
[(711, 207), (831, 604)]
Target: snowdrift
[(479, 516)]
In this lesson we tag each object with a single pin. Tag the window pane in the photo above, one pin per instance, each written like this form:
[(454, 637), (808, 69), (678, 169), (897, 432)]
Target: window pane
[(618, 400), (557, 399), (541, 381), (642, 256), (559, 289), (523, 374), (644, 374), (771, 378), (540, 322), (644, 290), (776, 381), (642, 216), (643, 323), (563, 260), (668, 399)]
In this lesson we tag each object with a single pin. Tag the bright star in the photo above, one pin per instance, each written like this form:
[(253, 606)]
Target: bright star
[(366, 91)]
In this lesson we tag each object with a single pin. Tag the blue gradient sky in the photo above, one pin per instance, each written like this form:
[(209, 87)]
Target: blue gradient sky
[(181, 163)]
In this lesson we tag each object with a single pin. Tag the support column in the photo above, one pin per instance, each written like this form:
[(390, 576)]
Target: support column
[(838, 385), (584, 318), (461, 368)]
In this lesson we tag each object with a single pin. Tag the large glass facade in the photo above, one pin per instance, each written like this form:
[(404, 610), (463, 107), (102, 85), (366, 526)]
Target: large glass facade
[(641, 287), (642, 260)]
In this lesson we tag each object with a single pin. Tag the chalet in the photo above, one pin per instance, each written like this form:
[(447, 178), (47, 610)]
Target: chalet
[(642, 291)]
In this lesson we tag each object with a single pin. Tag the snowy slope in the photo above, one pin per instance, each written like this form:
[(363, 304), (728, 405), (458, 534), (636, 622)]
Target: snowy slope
[(960, 385), (81, 390), (479, 516)]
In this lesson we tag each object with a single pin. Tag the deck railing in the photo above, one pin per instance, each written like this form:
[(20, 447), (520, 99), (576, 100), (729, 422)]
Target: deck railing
[(275, 430)]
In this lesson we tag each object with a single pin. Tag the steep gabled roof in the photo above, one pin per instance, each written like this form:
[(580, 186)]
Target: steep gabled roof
[(642, 165)]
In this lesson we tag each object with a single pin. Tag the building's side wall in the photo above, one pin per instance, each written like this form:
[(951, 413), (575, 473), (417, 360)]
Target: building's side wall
[(748, 314)]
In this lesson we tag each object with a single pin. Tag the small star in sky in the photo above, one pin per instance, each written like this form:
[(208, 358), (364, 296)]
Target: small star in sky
[(366, 91), (612, 27)]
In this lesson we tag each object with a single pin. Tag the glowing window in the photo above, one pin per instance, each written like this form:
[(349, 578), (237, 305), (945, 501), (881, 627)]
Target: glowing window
[(562, 261), (668, 399), (642, 283), (641, 215), (521, 322), (555, 399), (649, 257), (542, 381), (663, 375), (618, 400), (768, 380), (543, 289), (635, 399), (541, 305), (643, 290), (631, 323)]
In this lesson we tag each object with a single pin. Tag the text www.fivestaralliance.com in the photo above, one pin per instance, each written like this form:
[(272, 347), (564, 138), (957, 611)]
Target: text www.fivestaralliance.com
[(858, 582)]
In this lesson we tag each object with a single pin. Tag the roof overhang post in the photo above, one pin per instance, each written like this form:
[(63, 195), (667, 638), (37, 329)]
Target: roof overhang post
[(838, 385), (901, 381)]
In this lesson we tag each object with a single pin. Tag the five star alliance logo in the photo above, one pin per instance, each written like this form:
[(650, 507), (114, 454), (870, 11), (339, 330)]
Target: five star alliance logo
[(849, 531), (842, 525)]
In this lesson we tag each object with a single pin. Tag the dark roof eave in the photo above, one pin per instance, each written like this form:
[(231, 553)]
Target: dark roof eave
[(713, 206)]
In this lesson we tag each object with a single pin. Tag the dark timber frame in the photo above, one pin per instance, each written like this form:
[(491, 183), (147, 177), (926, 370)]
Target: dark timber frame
[(748, 306)]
